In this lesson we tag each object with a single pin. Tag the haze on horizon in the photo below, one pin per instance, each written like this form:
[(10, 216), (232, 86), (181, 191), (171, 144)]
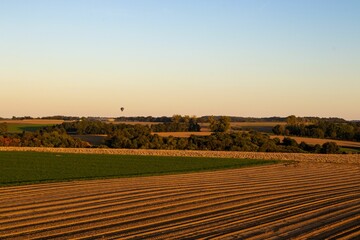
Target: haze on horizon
[(254, 58)]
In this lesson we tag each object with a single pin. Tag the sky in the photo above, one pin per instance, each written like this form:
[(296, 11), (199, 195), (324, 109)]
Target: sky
[(256, 58)]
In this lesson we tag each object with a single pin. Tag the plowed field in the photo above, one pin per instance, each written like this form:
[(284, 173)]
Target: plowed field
[(299, 201)]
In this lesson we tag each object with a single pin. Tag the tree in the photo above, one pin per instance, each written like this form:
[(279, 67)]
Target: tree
[(279, 129), (219, 125), (176, 118), (290, 142), (330, 147), (291, 120), (193, 125)]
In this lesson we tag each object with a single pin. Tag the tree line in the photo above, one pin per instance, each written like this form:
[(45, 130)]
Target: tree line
[(141, 136), (236, 141), (319, 128), (41, 138), (178, 123)]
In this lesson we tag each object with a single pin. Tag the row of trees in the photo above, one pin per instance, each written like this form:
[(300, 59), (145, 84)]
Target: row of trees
[(140, 136), (42, 139), (203, 119), (252, 142), (319, 129), (86, 126), (190, 124), (178, 123), (143, 119)]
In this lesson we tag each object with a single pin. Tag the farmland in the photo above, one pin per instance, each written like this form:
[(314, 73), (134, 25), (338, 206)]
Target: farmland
[(18, 126), (33, 121), (100, 128), (205, 127), (302, 201), (32, 167), (300, 157)]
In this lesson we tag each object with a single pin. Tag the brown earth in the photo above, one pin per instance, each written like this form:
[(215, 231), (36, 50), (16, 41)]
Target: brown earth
[(296, 201), (305, 157)]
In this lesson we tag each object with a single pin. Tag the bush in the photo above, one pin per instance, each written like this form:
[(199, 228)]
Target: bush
[(330, 148), (3, 128)]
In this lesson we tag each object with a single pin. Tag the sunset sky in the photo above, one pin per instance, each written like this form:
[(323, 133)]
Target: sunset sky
[(240, 58)]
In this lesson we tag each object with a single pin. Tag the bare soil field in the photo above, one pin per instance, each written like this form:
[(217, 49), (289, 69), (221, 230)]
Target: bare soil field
[(320, 141), (296, 201), (302, 157)]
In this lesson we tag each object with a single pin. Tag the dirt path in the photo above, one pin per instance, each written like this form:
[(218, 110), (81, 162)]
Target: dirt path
[(296, 201)]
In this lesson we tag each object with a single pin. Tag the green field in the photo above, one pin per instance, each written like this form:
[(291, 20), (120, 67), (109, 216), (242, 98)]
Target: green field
[(19, 127), (32, 167), (350, 150)]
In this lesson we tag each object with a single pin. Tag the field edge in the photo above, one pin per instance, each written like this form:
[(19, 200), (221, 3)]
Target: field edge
[(306, 157)]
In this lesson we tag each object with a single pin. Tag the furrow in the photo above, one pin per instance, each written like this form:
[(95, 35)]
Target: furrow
[(189, 214), (230, 228), (266, 202), (254, 222), (117, 200), (123, 182), (352, 231), (33, 206), (329, 227), (299, 223), (129, 207)]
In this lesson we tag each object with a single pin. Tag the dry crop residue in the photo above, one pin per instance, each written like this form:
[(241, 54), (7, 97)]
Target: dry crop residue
[(301, 201), (306, 157)]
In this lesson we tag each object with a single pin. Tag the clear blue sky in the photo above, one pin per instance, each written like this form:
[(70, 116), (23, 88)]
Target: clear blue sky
[(241, 58)]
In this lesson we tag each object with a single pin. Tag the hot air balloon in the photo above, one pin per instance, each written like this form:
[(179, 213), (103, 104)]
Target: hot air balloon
[(122, 108)]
